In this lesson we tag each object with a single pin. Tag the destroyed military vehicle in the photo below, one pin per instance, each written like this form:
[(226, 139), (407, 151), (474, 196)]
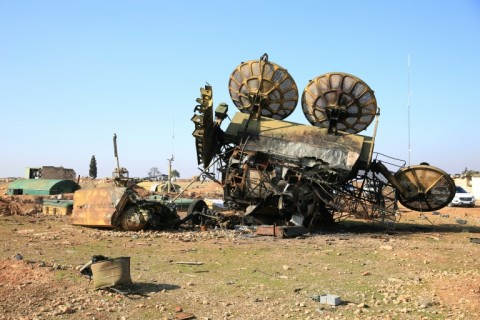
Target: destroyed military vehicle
[(119, 206), (277, 172)]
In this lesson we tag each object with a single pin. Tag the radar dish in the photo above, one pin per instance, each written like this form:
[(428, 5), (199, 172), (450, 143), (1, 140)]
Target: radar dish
[(342, 94), (264, 83), (426, 188)]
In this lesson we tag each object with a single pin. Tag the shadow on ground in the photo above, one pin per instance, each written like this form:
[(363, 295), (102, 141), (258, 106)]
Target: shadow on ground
[(398, 228), (141, 289)]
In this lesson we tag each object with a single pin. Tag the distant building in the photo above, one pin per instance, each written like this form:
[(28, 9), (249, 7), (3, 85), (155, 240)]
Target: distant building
[(49, 172), (40, 187)]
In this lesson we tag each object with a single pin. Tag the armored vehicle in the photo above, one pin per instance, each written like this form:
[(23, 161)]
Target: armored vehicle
[(119, 206)]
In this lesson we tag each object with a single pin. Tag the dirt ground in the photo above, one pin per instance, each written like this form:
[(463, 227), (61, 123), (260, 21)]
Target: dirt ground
[(427, 267)]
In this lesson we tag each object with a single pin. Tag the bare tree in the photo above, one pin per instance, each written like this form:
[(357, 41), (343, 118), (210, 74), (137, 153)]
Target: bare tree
[(154, 173)]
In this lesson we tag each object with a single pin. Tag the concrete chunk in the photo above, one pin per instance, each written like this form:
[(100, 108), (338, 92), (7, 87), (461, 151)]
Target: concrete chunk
[(330, 299)]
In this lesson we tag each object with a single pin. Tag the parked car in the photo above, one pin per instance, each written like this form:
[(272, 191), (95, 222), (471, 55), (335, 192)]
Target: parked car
[(462, 198)]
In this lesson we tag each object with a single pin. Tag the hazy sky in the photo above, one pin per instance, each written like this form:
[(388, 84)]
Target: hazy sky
[(73, 73)]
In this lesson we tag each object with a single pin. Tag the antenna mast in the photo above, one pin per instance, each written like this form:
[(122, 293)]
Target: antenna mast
[(115, 153), (409, 94), (173, 134), (169, 184)]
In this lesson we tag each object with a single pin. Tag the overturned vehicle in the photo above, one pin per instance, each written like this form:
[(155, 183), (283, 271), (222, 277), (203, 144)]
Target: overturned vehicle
[(277, 172), (121, 208)]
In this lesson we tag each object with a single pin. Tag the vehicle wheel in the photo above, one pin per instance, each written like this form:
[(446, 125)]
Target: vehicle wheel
[(133, 219), (194, 209)]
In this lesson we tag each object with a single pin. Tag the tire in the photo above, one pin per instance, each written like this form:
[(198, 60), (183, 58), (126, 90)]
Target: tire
[(194, 208)]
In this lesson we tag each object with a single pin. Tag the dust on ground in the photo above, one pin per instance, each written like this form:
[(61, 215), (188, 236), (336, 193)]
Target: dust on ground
[(425, 268)]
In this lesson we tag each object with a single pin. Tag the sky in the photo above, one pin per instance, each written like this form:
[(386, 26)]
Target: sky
[(73, 73)]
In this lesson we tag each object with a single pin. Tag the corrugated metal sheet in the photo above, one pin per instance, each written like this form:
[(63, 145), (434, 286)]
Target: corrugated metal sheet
[(304, 146), (295, 141), (41, 187)]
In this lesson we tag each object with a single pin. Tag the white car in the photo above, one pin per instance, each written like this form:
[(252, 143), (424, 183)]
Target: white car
[(462, 198)]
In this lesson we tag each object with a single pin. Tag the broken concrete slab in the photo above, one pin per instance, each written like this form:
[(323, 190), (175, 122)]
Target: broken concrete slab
[(330, 299), (281, 231)]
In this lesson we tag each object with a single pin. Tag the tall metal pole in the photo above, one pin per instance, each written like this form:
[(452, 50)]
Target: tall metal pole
[(116, 153), (169, 174), (370, 154), (409, 94), (170, 160)]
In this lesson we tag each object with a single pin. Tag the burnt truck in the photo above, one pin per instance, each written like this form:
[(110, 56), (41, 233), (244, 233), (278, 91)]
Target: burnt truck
[(278, 172)]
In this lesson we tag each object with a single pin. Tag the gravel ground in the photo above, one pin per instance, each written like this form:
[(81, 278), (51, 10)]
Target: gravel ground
[(425, 268)]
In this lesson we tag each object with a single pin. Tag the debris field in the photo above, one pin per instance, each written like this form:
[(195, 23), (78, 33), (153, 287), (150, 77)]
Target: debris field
[(426, 266)]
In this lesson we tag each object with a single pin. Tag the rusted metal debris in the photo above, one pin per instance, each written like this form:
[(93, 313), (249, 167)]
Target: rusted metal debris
[(121, 208), (107, 272), (275, 172), (285, 173)]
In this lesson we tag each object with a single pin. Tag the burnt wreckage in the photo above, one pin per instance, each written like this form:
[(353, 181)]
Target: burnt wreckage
[(275, 171)]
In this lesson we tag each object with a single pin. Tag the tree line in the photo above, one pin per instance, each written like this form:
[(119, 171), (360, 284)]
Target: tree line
[(153, 174)]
